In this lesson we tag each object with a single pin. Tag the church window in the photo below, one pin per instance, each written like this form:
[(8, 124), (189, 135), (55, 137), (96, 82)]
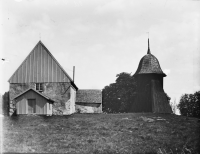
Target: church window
[(39, 87)]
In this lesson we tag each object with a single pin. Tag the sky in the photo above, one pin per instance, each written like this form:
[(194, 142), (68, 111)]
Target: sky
[(103, 38)]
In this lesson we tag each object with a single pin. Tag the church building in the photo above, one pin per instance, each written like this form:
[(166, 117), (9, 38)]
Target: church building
[(41, 86)]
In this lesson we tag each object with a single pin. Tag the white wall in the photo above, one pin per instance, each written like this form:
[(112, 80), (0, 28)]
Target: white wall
[(70, 104), (72, 100)]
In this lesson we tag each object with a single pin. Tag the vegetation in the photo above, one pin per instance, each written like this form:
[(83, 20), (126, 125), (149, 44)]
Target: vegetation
[(173, 106), (5, 103), (118, 96), (190, 105), (101, 133)]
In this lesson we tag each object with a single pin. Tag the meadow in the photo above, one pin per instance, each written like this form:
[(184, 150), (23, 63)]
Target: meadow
[(101, 134)]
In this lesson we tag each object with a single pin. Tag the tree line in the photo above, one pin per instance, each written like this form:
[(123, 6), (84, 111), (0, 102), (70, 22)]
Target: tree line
[(119, 96)]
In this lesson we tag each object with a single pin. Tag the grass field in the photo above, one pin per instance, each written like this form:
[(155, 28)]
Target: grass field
[(101, 133)]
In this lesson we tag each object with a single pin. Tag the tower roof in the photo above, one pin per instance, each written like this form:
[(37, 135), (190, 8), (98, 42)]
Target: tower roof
[(149, 64)]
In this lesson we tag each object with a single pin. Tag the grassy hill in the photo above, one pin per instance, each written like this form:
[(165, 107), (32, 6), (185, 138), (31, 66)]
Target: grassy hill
[(102, 133)]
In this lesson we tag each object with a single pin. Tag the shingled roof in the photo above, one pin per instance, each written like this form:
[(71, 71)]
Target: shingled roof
[(89, 96), (149, 64)]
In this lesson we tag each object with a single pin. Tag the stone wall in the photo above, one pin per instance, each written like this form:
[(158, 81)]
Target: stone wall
[(88, 107), (59, 92)]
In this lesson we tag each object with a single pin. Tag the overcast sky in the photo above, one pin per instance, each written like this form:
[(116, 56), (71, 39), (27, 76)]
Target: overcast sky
[(102, 38)]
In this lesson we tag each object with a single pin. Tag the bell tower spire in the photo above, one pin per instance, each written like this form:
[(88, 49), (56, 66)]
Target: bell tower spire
[(148, 51)]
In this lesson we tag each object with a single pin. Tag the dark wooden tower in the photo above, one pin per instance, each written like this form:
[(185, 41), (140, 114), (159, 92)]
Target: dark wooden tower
[(150, 96)]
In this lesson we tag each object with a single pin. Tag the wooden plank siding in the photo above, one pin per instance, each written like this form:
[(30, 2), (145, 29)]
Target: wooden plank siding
[(40, 66), (22, 107), (43, 106), (143, 101), (160, 103)]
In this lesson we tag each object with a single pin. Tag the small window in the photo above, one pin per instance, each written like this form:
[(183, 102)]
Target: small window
[(39, 87)]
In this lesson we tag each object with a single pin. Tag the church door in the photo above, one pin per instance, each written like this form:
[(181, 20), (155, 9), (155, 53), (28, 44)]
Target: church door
[(31, 106)]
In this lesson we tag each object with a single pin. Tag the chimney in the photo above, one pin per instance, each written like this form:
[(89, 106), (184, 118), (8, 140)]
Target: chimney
[(73, 72)]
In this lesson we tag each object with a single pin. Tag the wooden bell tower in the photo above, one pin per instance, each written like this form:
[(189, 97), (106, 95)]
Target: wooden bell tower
[(150, 96)]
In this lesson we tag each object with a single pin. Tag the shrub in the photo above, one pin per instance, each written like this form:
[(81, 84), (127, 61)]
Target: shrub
[(5, 103), (190, 105)]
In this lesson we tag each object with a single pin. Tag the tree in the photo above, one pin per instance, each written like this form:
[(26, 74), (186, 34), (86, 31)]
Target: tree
[(173, 106), (5, 103), (190, 105), (118, 96)]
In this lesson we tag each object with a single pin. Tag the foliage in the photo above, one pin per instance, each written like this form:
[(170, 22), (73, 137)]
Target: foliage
[(118, 96), (190, 105), (5, 103), (173, 106)]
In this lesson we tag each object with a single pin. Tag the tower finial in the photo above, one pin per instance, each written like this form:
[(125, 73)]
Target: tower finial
[(40, 36), (148, 51)]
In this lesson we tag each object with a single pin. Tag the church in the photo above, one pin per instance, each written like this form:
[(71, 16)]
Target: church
[(41, 86)]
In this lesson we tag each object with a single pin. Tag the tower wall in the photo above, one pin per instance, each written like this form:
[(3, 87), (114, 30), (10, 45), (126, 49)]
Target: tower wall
[(160, 103), (145, 97)]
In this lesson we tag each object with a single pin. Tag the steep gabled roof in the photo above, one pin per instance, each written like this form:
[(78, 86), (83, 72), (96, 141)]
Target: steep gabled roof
[(40, 66), (30, 89), (89, 96)]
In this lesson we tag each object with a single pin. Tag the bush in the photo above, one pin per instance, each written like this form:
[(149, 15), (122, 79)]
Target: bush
[(190, 105), (5, 103)]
